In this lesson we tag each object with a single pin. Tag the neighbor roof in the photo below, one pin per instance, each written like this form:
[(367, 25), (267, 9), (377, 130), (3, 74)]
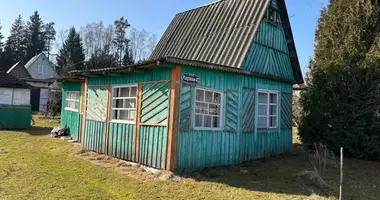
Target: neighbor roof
[(17, 70), (32, 60), (8, 81)]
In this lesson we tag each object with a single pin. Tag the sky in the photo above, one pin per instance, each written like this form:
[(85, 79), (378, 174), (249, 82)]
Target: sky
[(152, 15)]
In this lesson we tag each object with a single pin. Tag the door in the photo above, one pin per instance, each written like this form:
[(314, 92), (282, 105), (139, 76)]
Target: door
[(43, 100), (154, 98), (35, 99)]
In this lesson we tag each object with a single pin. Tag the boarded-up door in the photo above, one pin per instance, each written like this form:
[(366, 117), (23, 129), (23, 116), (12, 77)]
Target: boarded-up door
[(96, 115), (153, 123)]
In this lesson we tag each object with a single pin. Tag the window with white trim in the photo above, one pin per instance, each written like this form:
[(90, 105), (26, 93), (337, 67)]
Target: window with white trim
[(208, 111), (72, 101), (42, 69), (124, 101), (267, 109)]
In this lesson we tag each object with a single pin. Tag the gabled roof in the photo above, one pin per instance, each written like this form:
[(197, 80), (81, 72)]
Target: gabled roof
[(219, 33), (8, 81), (32, 60), (18, 70)]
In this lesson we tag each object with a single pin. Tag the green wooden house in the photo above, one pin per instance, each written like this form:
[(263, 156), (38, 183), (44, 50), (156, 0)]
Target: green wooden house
[(217, 90)]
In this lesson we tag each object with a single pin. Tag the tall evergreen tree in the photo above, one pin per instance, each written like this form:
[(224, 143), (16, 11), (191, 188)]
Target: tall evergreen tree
[(15, 46), (120, 40), (128, 59), (49, 34), (341, 106), (71, 55), (36, 42), (1, 40)]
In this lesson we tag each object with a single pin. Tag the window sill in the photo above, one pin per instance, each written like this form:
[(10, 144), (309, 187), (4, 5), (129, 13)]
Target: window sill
[(207, 129), (122, 122), (71, 109)]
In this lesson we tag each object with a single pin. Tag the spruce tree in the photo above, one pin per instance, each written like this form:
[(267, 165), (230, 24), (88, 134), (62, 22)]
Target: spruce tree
[(36, 42), (49, 36), (15, 46), (128, 59), (341, 106), (120, 40), (71, 54), (1, 40)]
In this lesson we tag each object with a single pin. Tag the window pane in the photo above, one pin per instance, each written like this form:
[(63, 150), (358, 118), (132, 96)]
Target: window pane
[(216, 97), (124, 92), (215, 122), (273, 110), (262, 122), (201, 108), (200, 95), (263, 110), (77, 105), (273, 98), (198, 120), (263, 97), (117, 103), (77, 96), (133, 91), (114, 114), (272, 121), (132, 115), (207, 121), (208, 96), (214, 109), (123, 114), (129, 103), (115, 92)]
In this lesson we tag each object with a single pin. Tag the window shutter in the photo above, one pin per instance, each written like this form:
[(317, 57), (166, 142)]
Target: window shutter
[(232, 106), (248, 110), (286, 110), (185, 108)]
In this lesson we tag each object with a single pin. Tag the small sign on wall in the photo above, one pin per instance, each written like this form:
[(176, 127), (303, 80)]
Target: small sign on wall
[(190, 79)]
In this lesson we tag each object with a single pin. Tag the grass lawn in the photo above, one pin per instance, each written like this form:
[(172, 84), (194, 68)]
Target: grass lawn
[(35, 166)]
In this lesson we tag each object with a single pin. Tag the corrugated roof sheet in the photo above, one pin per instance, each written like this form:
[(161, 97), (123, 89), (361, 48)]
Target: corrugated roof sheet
[(218, 33), (8, 81)]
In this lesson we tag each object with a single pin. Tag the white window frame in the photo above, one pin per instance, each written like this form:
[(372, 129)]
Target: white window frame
[(221, 109), (113, 98), (268, 105), (42, 69), (74, 100)]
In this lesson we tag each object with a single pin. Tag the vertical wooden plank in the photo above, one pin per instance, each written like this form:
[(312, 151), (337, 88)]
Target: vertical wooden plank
[(107, 119), (138, 119), (83, 111), (175, 86)]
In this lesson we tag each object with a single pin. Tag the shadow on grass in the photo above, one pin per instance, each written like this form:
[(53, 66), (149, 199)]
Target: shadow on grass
[(39, 131), (271, 175)]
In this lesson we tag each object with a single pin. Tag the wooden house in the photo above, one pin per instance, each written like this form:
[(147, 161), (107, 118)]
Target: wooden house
[(217, 90), (15, 108)]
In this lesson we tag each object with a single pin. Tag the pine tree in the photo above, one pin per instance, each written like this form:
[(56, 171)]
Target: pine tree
[(1, 40), (36, 42), (49, 34), (128, 59), (15, 46), (341, 106), (71, 54), (120, 41)]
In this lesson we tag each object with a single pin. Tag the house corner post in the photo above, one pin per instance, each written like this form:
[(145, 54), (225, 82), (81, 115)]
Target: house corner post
[(109, 87), (84, 111), (137, 131), (175, 86)]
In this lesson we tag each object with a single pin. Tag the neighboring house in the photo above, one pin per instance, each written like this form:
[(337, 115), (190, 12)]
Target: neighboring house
[(39, 73), (217, 90), (15, 109)]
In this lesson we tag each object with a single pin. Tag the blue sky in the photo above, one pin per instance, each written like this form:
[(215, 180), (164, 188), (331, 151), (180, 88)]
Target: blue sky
[(151, 15)]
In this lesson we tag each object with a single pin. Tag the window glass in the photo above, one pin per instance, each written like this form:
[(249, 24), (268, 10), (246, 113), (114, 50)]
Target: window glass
[(124, 103), (267, 109), (72, 101), (207, 109), (263, 97)]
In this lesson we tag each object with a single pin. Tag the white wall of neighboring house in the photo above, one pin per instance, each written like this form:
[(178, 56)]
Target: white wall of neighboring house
[(41, 68), (38, 84)]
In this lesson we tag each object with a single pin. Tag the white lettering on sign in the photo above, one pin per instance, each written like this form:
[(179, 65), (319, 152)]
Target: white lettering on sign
[(190, 79)]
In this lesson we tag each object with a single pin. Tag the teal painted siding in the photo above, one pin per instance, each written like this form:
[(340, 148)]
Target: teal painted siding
[(15, 117), (122, 141), (70, 119), (269, 53), (94, 136), (121, 137), (204, 148)]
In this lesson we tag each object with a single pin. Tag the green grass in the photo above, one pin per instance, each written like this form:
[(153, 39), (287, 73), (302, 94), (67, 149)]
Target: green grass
[(35, 166)]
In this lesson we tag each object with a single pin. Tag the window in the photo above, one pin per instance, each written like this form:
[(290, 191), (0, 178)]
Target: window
[(72, 101), (273, 16), (124, 101), (42, 69), (267, 109), (208, 109)]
